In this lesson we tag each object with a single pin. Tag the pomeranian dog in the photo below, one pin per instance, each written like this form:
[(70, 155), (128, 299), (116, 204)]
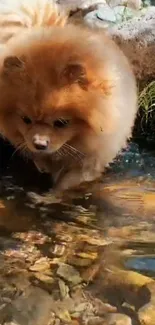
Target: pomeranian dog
[(68, 99)]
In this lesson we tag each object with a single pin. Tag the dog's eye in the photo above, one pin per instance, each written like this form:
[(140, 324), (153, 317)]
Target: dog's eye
[(61, 123), (26, 120)]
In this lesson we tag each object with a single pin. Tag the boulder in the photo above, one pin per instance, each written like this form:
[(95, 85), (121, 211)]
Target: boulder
[(135, 36)]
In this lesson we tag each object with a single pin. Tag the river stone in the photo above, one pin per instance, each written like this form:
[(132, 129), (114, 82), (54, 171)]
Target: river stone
[(73, 5), (135, 4), (96, 321), (123, 13), (31, 308), (149, 291), (146, 314), (137, 40), (118, 319), (106, 16), (136, 37), (69, 273)]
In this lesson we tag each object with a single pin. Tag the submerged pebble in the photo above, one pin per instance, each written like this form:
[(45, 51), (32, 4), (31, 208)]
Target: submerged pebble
[(69, 273), (118, 319)]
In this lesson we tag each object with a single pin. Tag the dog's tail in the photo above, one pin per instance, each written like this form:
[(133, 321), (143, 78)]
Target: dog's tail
[(17, 15)]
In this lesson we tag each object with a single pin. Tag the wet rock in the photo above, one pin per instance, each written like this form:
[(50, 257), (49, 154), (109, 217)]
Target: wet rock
[(64, 289), (127, 278), (135, 4), (83, 306), (64, 238), (57, 321), (73, 5), (149, 291), (32, 307), (96, 321), (64, 316), (136, 36), (136, 39), (44, 278), (146, 314), (102, 308), (91, 272), (80, 262), (106, 16), (94, 241), (85, 313), (63, 308), (5, 309), (41, 265), (118, 319), (123, 286), (102, 17), (89, 5), (69, 273), (57, 250)]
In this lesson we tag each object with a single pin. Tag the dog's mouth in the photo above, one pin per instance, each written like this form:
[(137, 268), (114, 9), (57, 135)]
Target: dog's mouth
[(65, 152)]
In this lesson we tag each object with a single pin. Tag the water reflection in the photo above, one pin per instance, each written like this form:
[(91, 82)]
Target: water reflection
[(145, 264), (121, 206), (110, 224)]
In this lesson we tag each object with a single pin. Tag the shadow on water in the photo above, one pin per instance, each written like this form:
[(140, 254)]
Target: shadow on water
[(105, 226)]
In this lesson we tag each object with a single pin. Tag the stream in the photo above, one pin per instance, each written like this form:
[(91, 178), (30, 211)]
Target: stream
[(87, 257)]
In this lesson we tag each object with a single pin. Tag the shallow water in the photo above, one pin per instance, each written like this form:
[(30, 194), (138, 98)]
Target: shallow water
[(106, 226)]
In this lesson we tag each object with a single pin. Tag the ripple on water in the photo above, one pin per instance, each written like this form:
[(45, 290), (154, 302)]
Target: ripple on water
[(104, 233)]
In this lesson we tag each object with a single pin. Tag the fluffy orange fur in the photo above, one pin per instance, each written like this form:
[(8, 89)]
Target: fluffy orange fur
[(18, 15), (68, 98)]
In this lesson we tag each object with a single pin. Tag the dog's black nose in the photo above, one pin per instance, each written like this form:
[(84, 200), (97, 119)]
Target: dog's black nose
[(41, 146), (40, 142)]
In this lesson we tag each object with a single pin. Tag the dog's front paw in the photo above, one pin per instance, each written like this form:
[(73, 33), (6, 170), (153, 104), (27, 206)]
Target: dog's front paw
[(70, 180)]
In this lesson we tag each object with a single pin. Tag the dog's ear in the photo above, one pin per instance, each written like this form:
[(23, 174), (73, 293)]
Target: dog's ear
[(12, 64), (75, 73)]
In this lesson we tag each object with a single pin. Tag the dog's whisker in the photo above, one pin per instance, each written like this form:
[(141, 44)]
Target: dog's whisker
[(65, 151), (22, 148), (59, 153), (74, 149), (19, 148), (74, 155)]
